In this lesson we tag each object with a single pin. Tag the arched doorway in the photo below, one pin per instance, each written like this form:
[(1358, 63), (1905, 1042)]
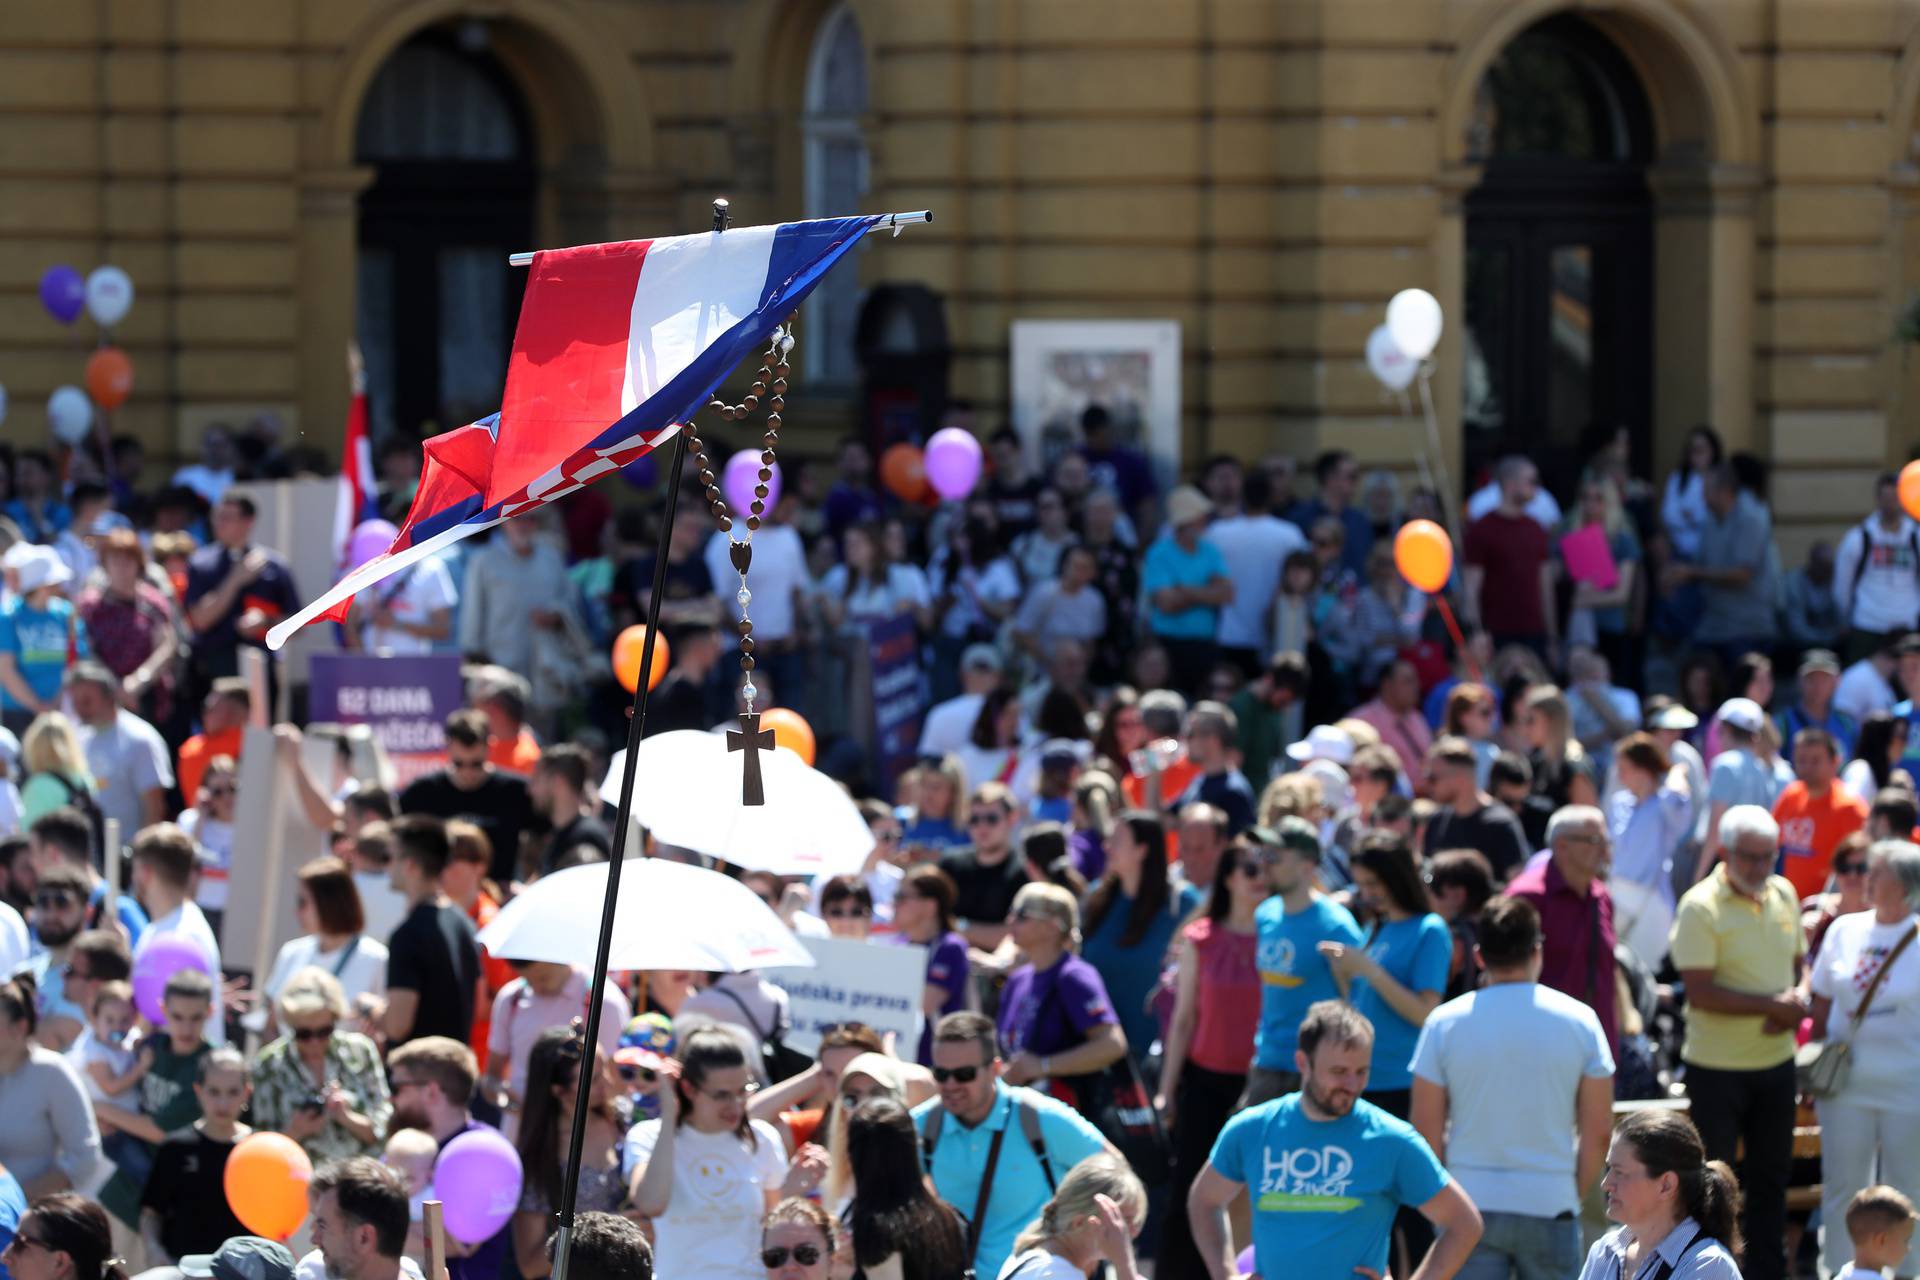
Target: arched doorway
[(1559, 282), (448, 135)]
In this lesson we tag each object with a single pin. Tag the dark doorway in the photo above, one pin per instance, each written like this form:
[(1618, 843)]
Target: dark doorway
[(1559, 266), (448, 134)]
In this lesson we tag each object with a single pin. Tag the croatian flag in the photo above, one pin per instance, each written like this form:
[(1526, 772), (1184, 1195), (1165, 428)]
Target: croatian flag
[(618, 344), (354, 501)]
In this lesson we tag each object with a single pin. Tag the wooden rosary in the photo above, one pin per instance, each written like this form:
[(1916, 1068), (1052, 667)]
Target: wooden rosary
[(750, 738)]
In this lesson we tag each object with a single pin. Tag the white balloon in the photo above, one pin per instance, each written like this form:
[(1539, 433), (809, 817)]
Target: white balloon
[(1394, 367), (109, 296), (70, 414), (1414, 317)]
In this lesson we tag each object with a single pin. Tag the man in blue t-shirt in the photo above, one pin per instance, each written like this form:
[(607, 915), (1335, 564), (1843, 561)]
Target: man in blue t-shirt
[(1294, 975), (1184, 582), (1327, 1171)]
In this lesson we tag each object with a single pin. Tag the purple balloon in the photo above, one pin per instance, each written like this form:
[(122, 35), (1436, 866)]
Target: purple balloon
[(478, 1180), (156, 963), (63, 293), (953, 462), (370, 538), (1244, 1263), (741, 476), (642, 472)]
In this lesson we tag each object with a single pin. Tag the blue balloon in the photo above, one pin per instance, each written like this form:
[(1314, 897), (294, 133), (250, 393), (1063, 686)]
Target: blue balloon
[(63, 293)]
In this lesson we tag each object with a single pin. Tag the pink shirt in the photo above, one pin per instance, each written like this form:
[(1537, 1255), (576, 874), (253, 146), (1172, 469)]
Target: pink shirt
[(1228, 997), (1406, 732), (519, 1016)]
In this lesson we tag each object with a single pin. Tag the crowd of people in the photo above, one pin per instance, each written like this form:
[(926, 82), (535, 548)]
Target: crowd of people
[(1258, 913)]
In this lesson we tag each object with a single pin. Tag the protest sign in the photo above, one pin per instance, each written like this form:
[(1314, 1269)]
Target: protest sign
[(874, 983), (893, 647), (404, 700)]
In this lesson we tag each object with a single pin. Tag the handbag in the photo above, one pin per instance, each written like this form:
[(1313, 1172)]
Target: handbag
[(1116, 1102), (1822, 1066)]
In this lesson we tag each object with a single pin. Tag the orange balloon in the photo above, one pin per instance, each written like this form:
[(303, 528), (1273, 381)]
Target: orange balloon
[(628, 648), (903, 469), (266, 1182), (1910, 489), (109, 377), (790, 731), (1424, 555)]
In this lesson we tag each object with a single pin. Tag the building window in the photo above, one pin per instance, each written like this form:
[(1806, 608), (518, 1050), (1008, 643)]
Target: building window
[(836, 185)]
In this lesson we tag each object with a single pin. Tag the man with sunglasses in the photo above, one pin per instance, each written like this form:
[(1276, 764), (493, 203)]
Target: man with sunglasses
[(470, 787), (1294, 976), (986, 873), (59, 910), (994, 1151), (433, 1082)]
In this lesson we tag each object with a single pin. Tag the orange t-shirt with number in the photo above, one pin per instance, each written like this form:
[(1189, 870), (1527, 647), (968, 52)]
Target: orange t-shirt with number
[(1810, 827)]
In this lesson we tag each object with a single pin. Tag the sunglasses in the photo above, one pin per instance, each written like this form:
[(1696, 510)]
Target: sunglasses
[(1251, 870), (985, 819), (308, 1034), (25, 1241), (1032, 913), (637, 1075), (55, 901), (807, 1255), (1849, 868), (963, 1075), (468, 766), (848, 913)]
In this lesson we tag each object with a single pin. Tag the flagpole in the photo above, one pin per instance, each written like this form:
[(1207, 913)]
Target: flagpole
[(893, 220), (636, 726)]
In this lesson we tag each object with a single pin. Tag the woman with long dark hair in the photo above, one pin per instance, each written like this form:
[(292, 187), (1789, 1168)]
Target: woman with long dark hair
[(1678, 1213), (1877, 748), (1129, 922), (893, 1212), (923, 916), (63, 1236), (1396, 981), (706, 1172), (546, 1129), (1683, 508), (1216, 1008), (992, 750)]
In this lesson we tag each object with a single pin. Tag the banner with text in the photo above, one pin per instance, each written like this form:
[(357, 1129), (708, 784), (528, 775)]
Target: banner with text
[(894, 651), (405, 700), (876, 983)]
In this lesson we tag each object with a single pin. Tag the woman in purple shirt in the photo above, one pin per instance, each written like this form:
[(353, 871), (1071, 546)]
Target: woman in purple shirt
[(1056, 1021), (923, 915)]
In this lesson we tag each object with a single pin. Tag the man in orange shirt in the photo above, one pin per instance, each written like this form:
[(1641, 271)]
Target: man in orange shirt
[(223, 719), (1815, 813), (502, 696)]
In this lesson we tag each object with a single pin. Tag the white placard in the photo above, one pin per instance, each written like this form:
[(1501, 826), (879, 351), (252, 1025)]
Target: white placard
[(1129, 367), (868, 982)]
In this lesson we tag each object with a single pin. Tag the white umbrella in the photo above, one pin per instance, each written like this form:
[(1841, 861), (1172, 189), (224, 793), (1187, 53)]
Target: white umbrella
[(687, 792), (670, 916)]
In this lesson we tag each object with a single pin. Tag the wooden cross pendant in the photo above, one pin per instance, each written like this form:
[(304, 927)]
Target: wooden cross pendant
[(752, 739)]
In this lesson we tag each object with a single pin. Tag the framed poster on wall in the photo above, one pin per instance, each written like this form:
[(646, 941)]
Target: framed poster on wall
[(1130, 367)]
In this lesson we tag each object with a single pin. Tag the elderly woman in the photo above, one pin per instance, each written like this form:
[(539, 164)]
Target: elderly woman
[(1056, 1021), (1871, 1122), (319, 1083)]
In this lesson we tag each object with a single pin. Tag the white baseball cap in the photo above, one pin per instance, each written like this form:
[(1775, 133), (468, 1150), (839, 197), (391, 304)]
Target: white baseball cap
[(1324, 742), (1742, 713)]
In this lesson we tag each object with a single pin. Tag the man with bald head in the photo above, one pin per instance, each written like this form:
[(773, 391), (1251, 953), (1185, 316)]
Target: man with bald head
[(1203, 838)]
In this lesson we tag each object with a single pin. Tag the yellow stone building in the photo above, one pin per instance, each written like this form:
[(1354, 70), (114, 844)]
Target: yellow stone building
[(1650, 212)]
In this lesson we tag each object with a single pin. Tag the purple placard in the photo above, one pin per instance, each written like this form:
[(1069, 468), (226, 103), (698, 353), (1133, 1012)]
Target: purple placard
[(406, 701), (897, 696)]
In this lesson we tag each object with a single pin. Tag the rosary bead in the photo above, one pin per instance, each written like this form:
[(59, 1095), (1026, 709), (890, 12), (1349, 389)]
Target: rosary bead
[(706, 476), (759, 491), (748, 692), (744, 596), (771, 438), (753, 522), (777, 404), (766, 474), (751, 403), (746, 646), (744, 626), (767, 458), (726, 523), (746, 664), (779, 386), (764, 372)]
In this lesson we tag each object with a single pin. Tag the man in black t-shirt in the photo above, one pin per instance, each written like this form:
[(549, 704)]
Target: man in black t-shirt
[(1469, 818), (686, 698), (433, 962), (562, 796), (471, 788), (987, 874), (1012, 489), (184, 1207)]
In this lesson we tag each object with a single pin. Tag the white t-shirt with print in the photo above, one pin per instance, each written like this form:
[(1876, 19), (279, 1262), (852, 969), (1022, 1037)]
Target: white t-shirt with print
[(1038, 1264), (711, 1228), (1886, 1051), (423, 591)]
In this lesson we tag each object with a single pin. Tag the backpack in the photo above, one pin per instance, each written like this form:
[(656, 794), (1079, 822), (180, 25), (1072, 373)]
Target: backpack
[(83, 799), (1865, 530), (1029, 1126), (779, 1061)]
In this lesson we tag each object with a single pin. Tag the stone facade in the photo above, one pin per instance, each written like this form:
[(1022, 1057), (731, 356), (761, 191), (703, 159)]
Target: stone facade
[(1266, 172)]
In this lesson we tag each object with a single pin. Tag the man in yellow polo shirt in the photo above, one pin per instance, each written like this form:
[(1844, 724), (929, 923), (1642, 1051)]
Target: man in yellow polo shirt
[(1738, 945)]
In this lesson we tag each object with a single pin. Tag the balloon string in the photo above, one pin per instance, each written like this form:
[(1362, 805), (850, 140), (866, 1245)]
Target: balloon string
[(1459, 641)]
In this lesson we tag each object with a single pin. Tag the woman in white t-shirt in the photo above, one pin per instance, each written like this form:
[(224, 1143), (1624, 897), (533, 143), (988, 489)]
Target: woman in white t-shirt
[(1092, 1219), (1871, 1120), (328, 908), (866, 586), (705, 1172), (210, 823)]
